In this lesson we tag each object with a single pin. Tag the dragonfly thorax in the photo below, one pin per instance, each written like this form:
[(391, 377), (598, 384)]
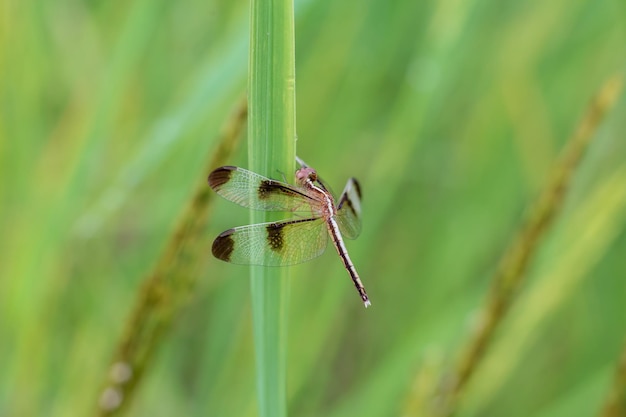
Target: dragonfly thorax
[(325, 202)]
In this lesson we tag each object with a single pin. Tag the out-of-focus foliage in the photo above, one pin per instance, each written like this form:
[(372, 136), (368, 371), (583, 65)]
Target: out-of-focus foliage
[(450, 113)]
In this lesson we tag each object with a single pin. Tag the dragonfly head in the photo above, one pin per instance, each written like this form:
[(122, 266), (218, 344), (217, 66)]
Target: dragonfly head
[(304, 174)]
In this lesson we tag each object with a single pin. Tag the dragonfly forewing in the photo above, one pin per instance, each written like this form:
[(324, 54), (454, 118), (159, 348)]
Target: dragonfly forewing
[(257, 192)]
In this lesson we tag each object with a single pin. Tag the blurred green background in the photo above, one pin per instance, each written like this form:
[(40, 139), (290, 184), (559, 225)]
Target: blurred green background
[(450, 113)]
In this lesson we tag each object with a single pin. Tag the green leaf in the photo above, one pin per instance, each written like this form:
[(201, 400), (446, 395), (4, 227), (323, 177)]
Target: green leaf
[(271, 152)]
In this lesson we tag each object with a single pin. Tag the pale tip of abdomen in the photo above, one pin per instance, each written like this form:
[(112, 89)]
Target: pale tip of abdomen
[(367, 303)]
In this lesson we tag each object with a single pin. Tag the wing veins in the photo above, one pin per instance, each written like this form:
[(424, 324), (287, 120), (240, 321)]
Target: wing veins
[(281, 243), (251, 190)]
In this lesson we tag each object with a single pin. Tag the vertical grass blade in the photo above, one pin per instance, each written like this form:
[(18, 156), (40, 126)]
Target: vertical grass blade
[(271, 152)]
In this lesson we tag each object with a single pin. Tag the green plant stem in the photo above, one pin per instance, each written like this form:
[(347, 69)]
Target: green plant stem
[(510, 275), (271, 152)]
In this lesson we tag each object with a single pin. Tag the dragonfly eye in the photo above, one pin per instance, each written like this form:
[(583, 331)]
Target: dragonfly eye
[(306, 173)]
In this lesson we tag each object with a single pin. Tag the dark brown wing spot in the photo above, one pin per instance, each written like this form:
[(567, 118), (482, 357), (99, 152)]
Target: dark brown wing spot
[(220, 176), (357, 188), (224, 245), (275, 236), (269, 187), (346, 201), (265, 188)]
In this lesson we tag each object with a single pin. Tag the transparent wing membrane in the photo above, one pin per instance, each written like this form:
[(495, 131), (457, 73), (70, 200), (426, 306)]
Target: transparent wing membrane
[(257, 192), (273, 244), (349, 210)]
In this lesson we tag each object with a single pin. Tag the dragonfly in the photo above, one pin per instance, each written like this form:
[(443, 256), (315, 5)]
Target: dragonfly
[(317, 215)]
